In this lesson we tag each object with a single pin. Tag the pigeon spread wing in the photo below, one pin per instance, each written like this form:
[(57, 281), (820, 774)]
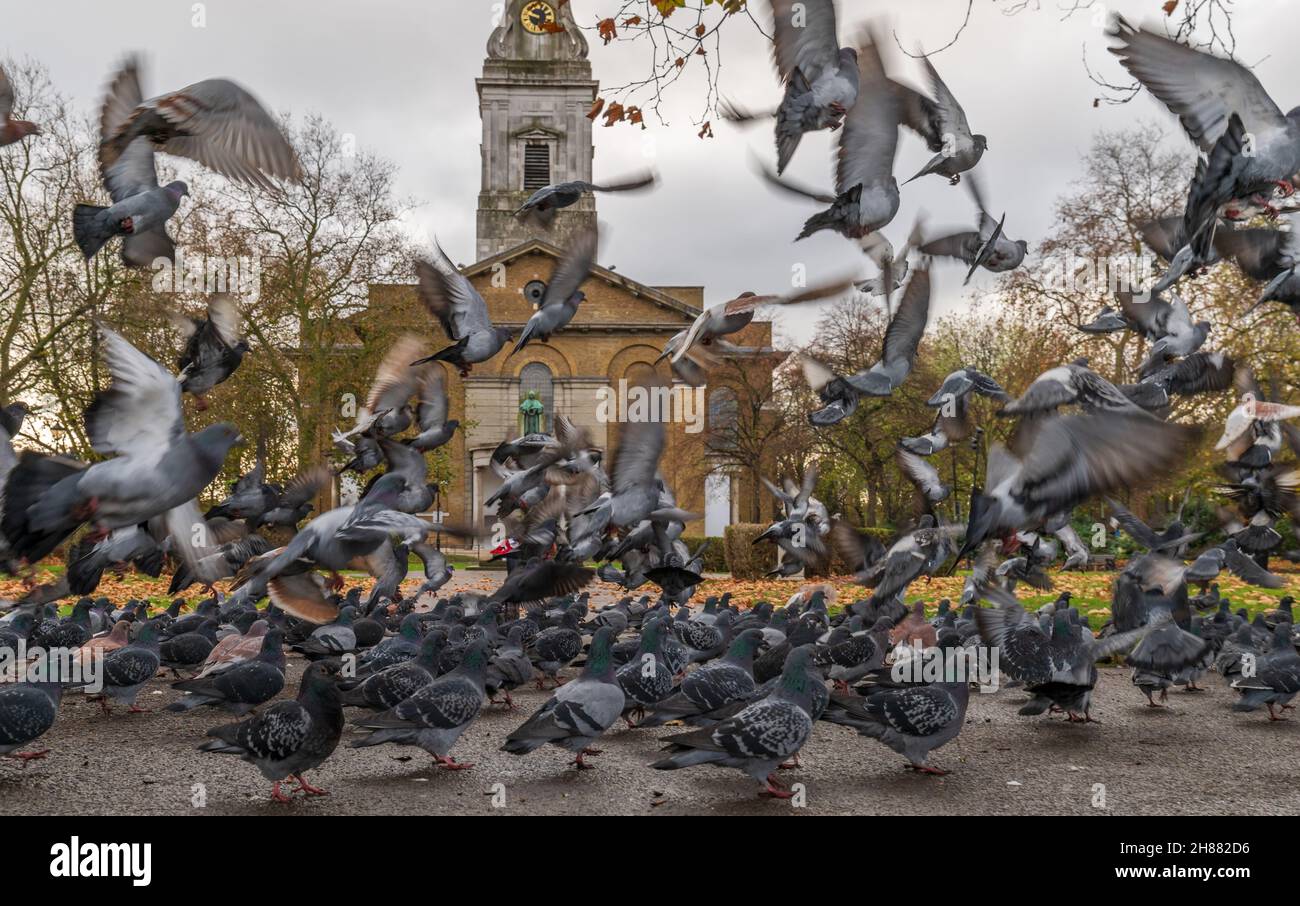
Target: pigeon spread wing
[(448, 295), (140, 413)]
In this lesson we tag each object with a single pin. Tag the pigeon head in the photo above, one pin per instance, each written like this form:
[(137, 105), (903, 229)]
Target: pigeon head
[(176, 190), (213, 443), (503, 334), (981, 141)]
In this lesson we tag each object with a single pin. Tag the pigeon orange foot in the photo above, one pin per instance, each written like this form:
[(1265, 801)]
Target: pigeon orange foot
[(774, 789), (306, 788), (926, 769), (28, 757), (452, 764), (277, 796)]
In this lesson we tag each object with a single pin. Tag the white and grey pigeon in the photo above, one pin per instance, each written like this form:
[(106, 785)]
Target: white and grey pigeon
[(463, 313), (952, 399), (986, 246), (1204, 91), (562, 296)]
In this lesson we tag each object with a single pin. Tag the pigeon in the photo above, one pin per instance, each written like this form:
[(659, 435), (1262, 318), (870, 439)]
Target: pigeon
[(288, 738), (1200, 372), (215, 122), (1072, 384), (762, 735), (646, 679), (540, 207), (820, 77), (509, 668), (1247, 413), (902, 338), (1204, 91), (1275, 679), (986, 247), (189, 649), (463, 313), (12, 130), (942, 123), (866, 193), (1066, 460), (579, 712), (241, 686), (952, 399), (28, 709), (554, 648), (913, 720), (213, 348), (435, 429), (158, 469), (332, 639), (730, 317), (436, 714), (393, 685), (712, 686), (126, 670), (562, 297)]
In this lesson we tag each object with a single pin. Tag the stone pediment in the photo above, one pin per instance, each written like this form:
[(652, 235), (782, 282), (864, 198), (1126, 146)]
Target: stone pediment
[(618, 301)]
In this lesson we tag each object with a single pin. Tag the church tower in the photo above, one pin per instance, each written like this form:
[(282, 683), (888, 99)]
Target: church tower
[(534, 96)]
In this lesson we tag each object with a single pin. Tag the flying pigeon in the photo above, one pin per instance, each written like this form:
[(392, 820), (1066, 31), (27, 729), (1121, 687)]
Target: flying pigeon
[(12, 130), (942, 123), (562, 297), (820, 77), (541, 206), (213, 348), (450, 298)]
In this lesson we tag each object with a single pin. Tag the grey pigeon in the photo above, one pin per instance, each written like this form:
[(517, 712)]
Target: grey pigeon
[(579, 712), (911, 720), (902, 338), (128, 669), (562, 297), (27, 711), (435, 429), (288, 738), (820, 77), (1275, 679), (463, 313), (712, 686), (213, 348), (540, 207), (435, 715), (156, 470), (762, 735), (942, 123)]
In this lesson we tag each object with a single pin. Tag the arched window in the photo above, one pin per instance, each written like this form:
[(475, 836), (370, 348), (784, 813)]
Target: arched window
[(536, 377)]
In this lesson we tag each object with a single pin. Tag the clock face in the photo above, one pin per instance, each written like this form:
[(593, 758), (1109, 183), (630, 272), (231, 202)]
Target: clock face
[(538, 17)]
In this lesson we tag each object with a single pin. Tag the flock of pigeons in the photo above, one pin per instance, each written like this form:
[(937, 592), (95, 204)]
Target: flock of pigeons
[(751, 682)]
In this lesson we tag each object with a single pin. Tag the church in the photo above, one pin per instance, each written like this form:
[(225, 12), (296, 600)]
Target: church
[(535, 92)]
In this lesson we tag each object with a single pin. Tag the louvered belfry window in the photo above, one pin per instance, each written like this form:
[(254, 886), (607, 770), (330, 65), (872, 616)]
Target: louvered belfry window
[(537, 165)]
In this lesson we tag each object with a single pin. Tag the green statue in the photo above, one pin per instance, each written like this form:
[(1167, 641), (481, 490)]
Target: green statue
[(531, 409)]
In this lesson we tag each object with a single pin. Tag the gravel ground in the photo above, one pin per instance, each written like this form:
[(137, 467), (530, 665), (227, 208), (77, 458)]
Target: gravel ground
[(1196, 757)]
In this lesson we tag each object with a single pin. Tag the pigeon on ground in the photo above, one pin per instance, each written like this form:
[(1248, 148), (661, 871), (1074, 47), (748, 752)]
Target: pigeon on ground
[(436, 714), (331, 639), (390, 686), (509, 668), (646, 679), (712, 686), (579, 711), (28, 709), (1275, 679), (241, 686), (762, 735), (288, 738), (126, 670)]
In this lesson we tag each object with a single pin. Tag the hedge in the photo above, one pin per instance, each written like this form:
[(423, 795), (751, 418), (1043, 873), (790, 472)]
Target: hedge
[(715, 555), (746, 559)]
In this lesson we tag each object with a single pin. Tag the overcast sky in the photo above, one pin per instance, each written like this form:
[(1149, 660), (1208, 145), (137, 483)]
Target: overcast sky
[(399, 74)]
